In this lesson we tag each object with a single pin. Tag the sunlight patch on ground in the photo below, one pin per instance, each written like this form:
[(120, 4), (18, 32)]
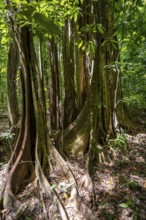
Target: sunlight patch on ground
[(107, 184)]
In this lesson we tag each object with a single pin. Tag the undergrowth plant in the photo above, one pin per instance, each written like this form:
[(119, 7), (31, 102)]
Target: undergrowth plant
[(120, 142), (7, 136)]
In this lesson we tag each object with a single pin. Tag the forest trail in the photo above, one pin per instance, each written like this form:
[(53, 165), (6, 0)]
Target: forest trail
[(120, 187)]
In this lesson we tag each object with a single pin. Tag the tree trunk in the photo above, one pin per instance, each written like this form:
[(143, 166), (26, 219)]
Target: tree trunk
[(12, 67), (82, 78), (69, 85), (23, 154), (100, 104), (82, 66), (55, 97)]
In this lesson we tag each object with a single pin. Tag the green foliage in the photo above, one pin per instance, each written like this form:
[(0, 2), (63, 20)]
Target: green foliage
[(6, 136), (37, 15), (107, 215), (128, 203), (88, 45), (46, 16), (54, 186), (131, 204), (133, 185), (134, 76), (63, 188), (3, 63), (130, 23), (48, 25), (123, 205), (119, 142)]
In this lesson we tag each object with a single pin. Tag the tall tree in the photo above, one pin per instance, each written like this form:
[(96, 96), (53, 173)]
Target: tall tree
[(82, 72), (12, 68), (55, 93), (96, 122), (32, 135), (33, 145), (69, 74)]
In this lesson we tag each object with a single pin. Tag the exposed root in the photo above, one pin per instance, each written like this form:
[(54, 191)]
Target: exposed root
[(45, 214), (61, 163), (87, 183), (76, 203), (86, 180), (20, 211), (76, 136), (1, 197), (104, 157), (46, 188), (9, 200)]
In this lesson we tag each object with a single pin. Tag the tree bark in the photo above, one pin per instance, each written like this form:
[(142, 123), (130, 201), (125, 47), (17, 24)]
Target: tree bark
[(20, 165), (101, 97), (12, 67), (82, 61), (55, 96), (69, 84)]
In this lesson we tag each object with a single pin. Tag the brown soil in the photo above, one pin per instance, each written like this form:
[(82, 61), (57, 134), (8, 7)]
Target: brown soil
[(119, 187)]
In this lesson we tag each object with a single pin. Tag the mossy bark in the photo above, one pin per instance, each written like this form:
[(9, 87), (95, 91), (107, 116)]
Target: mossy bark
[(103, 92), (69, 74), (55, 94), (20, 165), (12, 67)]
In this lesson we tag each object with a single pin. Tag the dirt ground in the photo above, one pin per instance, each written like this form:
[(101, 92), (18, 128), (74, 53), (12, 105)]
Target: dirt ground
[(119, 186)]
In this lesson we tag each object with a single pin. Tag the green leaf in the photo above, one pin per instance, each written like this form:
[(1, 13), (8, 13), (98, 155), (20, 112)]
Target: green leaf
[(54, 186), (4, 40), (28, 218), (80, 44), (123, 205), (46, 23), (75, 17), (100, 28), (63, 188), (25, 14), (2, 70), (20, 1), (63, 2)]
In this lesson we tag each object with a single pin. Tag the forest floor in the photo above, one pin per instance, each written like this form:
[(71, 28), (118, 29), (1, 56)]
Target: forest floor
[(119, 187)]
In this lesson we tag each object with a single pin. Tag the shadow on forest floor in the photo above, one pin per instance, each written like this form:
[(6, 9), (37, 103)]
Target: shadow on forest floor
[(120, 187)]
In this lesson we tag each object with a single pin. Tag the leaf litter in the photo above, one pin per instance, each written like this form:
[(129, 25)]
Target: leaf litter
[(119, 188)]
